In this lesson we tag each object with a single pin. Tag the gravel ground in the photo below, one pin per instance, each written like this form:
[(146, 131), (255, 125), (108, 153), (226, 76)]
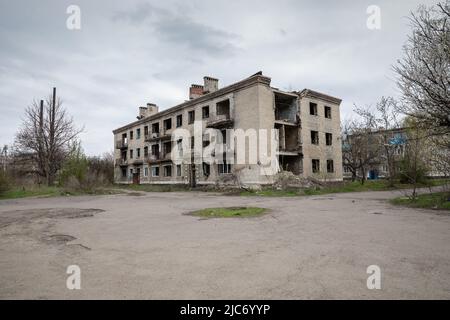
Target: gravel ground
[(144, 246)]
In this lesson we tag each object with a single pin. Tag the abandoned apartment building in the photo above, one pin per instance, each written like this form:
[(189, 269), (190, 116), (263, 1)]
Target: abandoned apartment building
[(308, 124)]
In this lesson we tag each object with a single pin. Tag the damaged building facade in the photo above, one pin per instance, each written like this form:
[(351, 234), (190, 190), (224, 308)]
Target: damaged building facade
[(306, 125)]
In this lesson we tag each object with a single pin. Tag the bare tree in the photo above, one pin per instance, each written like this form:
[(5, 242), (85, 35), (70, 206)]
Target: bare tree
[(424, 71), (45, 136), (414, 163), (359, 151), (384, 119)]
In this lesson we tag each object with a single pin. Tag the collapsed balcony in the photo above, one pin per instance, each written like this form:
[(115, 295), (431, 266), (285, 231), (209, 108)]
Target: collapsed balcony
[(222, 119), (286, 108), (121, 144), (289, 141), (121, 162)]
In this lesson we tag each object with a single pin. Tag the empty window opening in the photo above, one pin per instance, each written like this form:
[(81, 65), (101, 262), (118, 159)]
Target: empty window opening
[(314, 137), (330, 166), (155, 171), (206, 169), (313, 109), (167, 124), (168, 171), (315, 165), (179, 120), (191, 116), (205, 112), (329, 139), (167, 147), (155, 150), (327, 111), (223, 108), (155, 127)]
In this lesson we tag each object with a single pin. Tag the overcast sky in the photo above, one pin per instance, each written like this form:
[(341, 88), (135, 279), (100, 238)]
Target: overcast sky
[(128, 53)]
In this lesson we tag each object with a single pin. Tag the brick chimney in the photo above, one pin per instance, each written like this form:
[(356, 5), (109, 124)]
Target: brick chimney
[(195, 91), (210, 84), (147, 111)]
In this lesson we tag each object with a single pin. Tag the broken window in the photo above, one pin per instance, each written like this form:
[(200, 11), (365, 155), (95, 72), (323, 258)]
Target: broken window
[(206, 169), (178, 170), (191, 116), (138, 133), (329, 139), (155, 127), (155, 149), (315, 137), (285, 107), (168, 171), (330, 166), (131, 153), (146, 131), (205, 112), (327, 111), (179, 120), (180, 147), (124, 172), (167, 147), (224, 136), (206, 140), (145, 151), (223, 108), (315, 165), (313, 109), (155, 171), (224, 168), (138, 153), (167, 124), (131, 135)]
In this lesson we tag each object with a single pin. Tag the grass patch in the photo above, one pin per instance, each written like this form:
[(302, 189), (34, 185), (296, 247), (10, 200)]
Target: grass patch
[(24, 192), (438, 200), (346, 186), (44, 191), (153, 187), (230, 212)]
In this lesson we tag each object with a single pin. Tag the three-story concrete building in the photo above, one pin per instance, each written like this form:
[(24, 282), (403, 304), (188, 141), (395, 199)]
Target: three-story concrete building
[(299, 131)]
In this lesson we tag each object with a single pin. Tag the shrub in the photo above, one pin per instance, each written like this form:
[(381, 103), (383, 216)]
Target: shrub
[(4, 182)]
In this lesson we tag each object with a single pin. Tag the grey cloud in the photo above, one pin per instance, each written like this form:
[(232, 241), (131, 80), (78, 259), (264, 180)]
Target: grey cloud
[(180, 30)]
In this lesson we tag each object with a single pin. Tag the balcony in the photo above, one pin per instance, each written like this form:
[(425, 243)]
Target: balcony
[(121, 144), (159, 157), (220, 121), (138, 162), (152, 136), (121, 162)]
